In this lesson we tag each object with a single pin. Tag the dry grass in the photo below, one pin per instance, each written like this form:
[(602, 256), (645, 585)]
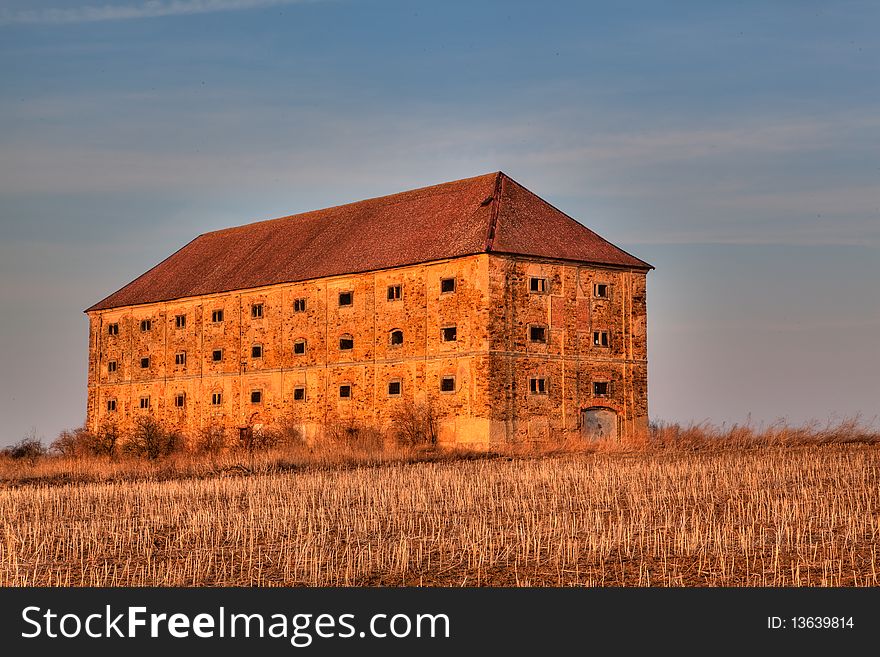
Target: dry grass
[(787, 512)]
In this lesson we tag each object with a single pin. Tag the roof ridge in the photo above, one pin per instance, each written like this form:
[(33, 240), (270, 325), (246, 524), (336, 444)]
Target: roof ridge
[(386, 198), (496, 206)]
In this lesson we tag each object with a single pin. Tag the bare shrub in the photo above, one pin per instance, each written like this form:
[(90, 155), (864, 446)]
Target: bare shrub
[(28, 448), (290, 432), (349, 432), (414, 424), (211, 439), (80, 442), (150, 440)]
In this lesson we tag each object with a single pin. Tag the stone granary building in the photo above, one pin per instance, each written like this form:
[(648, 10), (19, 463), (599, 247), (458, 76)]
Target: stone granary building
[(514, 320)]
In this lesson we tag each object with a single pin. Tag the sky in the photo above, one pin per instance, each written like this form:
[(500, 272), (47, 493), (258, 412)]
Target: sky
[(735, 146)]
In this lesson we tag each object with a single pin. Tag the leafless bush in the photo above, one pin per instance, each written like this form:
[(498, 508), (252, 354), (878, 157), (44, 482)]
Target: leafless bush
[(28, 448), (290, 432), (415, 423), (80, 442), (150, 440), (349, 432), (211, 439)]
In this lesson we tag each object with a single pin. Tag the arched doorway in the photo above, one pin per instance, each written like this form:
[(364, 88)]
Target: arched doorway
[(599, 423)]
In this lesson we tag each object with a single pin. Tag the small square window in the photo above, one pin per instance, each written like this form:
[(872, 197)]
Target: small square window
[(346, 342), (346, 298), (180, 321), (111, 366), (145, 402), (447, 384), (113, 329), (396, 337), (216, 398), (217, 355), (179, 400), (180, 358), (217, 316), (257, 351), (601, 388), (299, 347), (256, 396), (299, 305), (299, 393), (449, 334), (394, 292), (345, 391), (146, 325), (600, 338), (111, 405), (538, 334), (538, 386), (447, 285), (257, 310), (600, 290), (145, 362), (394, 388), (537, 285)]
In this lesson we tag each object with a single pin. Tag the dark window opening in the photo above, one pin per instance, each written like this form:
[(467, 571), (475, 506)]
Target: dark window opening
[(600, 290), (394, 388), (299, 347), (112, 329), (216, 398), (299, 394), (538, 386), (394, 292), (146, 325), (449, 334), (180, 321), (145, 402), (346, 298), (600, 338), (537, 284), (256, 396), (257, 351), (345, 391), (145, 363), (396, 337), (600, 388), (179, 400), (447, 384), (299, 305), (447, 285), (111, 405), (217, 355), (111, 366), (346, 342), (217, 316), (538, 334), (257, 310), (180, 358)]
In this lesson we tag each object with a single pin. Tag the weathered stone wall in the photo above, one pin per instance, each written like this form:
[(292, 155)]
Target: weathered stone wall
[(418, 363), (569, 362), (492, 358)]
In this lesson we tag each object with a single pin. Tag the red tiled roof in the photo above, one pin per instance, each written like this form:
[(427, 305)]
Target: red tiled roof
[(489, 213)]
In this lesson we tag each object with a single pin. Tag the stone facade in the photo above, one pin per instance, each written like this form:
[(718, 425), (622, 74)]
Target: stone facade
[(518, 321)]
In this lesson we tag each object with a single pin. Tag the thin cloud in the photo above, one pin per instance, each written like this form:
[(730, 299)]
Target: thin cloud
[(148, 9)]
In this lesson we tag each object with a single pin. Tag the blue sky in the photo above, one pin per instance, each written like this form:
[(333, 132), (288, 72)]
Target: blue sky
[(735, 146)]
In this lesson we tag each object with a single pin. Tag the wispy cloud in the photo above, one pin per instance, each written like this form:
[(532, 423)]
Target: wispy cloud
[(148, 9)]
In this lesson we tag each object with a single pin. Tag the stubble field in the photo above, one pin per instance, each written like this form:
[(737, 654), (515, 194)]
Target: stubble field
[(764, 516)]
